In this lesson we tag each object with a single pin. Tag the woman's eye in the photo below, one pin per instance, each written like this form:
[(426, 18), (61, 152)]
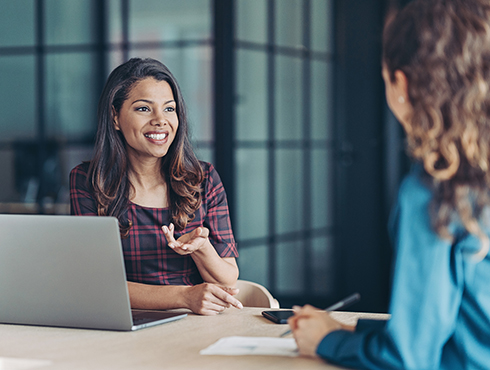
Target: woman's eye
[(142, 109), (170, 109)]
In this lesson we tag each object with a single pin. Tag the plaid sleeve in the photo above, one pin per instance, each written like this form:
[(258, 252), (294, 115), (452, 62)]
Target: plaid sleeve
[(217, 218), (82, 203)]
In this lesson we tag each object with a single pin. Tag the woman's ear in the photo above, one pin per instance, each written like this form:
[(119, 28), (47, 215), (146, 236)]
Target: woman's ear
[(402, 107), (401, 86), (115, 119)]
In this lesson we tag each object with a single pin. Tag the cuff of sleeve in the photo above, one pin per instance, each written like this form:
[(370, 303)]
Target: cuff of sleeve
[(226, 249), (344, 348), (332, 343)]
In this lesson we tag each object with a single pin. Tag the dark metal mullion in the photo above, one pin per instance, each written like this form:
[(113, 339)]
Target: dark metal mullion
[(284, 50), (40, 100), (177, 44), (289, 144), (51, 49), (307, 171), (287, 237), (17, 50), (339, 134), (336, 116), (101, 15), (271, 155), (224, 96)]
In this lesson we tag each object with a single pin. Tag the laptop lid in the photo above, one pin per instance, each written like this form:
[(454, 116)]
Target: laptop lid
[(66, 271)]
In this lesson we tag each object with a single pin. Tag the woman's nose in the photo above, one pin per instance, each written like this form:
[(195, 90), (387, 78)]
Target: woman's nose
[(158, 119)]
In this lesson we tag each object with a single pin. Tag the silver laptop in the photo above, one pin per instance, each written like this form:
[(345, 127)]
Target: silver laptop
[(67, 271)]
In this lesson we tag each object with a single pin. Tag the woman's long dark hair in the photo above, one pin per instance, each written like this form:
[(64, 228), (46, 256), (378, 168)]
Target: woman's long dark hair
[(108, 170), (443, 48)]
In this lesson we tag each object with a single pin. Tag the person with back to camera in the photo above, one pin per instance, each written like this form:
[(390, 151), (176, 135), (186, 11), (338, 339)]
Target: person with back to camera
[(436, 68), (178, 246)]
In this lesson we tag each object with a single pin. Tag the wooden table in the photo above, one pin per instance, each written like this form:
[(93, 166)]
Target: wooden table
[(173, 345)]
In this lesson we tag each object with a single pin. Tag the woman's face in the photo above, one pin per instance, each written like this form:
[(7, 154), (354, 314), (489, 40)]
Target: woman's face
[(148, 119)]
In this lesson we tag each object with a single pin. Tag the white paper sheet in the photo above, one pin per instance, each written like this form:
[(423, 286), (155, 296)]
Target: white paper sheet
[(10, 363), (238, 346)]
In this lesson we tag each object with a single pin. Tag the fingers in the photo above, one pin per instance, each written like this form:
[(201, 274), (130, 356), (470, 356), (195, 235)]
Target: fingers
[(232, 291), (210, 299), (300, 313), (227, 294), (169, 233), (203, 232), (196, 238), (187, 243)]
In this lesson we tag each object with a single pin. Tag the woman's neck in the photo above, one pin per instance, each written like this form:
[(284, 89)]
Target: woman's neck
[(145, 172), (148, 184)]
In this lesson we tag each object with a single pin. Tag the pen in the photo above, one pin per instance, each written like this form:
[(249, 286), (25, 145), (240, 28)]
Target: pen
[(347, 301)]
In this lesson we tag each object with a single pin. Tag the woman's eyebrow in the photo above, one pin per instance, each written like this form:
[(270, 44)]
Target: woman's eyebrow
[(151, 101)]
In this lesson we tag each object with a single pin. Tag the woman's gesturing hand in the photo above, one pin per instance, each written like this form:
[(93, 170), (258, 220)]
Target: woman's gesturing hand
[(187, 243), (211, 299)]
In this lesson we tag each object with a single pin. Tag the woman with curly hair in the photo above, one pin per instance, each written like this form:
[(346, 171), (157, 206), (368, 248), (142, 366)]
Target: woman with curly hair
[(436, 68), (178, 246)]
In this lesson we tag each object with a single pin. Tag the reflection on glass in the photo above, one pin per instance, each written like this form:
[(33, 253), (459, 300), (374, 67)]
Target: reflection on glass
[(114, 59), (170, 20), (251, 20), (322, 258), (251, 102), (321, 100), (290, 271), (114, 21), (17, 99), (289, 99), (203, 153), (289, 20), (253, 264), (70, 22), (251, 189), (193, 69), (17, 23), (289, 191), (321, 25), (71, 105)]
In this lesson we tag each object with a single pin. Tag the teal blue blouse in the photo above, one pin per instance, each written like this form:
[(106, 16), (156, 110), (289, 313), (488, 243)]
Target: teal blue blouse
[(440, 299)]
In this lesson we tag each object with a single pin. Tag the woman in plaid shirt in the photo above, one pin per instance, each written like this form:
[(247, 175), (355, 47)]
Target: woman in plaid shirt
[(178, 245)]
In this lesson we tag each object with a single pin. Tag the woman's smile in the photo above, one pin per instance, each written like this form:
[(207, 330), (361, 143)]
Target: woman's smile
[(157, 137)]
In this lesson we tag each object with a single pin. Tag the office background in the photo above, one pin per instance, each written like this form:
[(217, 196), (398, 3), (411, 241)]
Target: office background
[(285, 98)]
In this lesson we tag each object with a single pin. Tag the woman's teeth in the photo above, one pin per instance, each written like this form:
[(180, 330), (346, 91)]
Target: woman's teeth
[(156, 136)]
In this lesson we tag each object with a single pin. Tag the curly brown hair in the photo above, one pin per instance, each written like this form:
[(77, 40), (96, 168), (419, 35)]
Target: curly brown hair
[(108, 171), (443, 48)]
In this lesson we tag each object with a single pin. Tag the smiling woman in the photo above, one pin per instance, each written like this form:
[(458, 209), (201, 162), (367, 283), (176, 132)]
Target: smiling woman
[(178, 245), (148, 120)]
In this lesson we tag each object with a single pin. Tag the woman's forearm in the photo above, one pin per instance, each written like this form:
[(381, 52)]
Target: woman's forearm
[(203, 299), (215, 269), (156, 297)]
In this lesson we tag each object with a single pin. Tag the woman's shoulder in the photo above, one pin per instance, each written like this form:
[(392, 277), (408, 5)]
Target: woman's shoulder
[(415, 187), (212, 183), (207, 167), (210, 173), (81, 169), (79, 176)]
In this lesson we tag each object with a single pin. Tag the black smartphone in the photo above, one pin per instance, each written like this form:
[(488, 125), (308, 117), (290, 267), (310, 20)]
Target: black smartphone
[(279, 317)]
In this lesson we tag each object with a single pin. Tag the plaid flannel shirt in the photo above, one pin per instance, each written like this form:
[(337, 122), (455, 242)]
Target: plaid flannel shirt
[(147, 257)]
